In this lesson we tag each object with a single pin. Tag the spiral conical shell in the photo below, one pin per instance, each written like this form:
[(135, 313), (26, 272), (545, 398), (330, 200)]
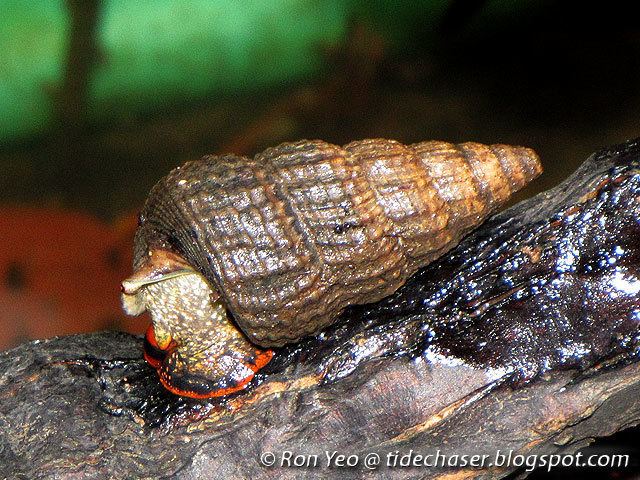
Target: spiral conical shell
[(299, 232)]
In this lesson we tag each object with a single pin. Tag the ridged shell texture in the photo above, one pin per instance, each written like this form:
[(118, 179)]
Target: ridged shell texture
[(302, 230)]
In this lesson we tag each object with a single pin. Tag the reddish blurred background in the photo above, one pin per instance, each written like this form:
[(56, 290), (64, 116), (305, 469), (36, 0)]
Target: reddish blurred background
[(61, 272)]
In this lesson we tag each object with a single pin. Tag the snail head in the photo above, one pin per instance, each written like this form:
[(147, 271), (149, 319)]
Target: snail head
[(193, 343)]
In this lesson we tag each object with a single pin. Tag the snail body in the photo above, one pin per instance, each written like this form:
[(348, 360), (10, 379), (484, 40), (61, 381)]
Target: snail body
[(234, 256)]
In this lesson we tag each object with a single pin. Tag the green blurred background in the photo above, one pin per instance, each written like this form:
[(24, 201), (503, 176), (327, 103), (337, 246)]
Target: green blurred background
[(99, 99)]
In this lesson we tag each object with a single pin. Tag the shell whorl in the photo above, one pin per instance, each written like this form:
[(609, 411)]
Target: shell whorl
[(294, 235)]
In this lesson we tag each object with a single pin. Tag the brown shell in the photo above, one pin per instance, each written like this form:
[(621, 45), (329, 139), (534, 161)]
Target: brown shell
[(294, 235)]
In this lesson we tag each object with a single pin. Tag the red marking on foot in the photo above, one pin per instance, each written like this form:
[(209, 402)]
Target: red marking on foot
[(193, 394), (261, 360), (151, 338), (153, 354)]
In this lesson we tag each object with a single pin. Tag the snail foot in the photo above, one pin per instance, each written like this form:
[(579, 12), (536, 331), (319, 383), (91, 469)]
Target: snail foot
[(189, 371)]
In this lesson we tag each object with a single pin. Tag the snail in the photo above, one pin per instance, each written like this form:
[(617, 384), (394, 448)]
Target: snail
[(236, 256)]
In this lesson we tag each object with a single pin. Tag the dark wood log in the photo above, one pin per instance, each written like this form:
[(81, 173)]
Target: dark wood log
[(524, 339)]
